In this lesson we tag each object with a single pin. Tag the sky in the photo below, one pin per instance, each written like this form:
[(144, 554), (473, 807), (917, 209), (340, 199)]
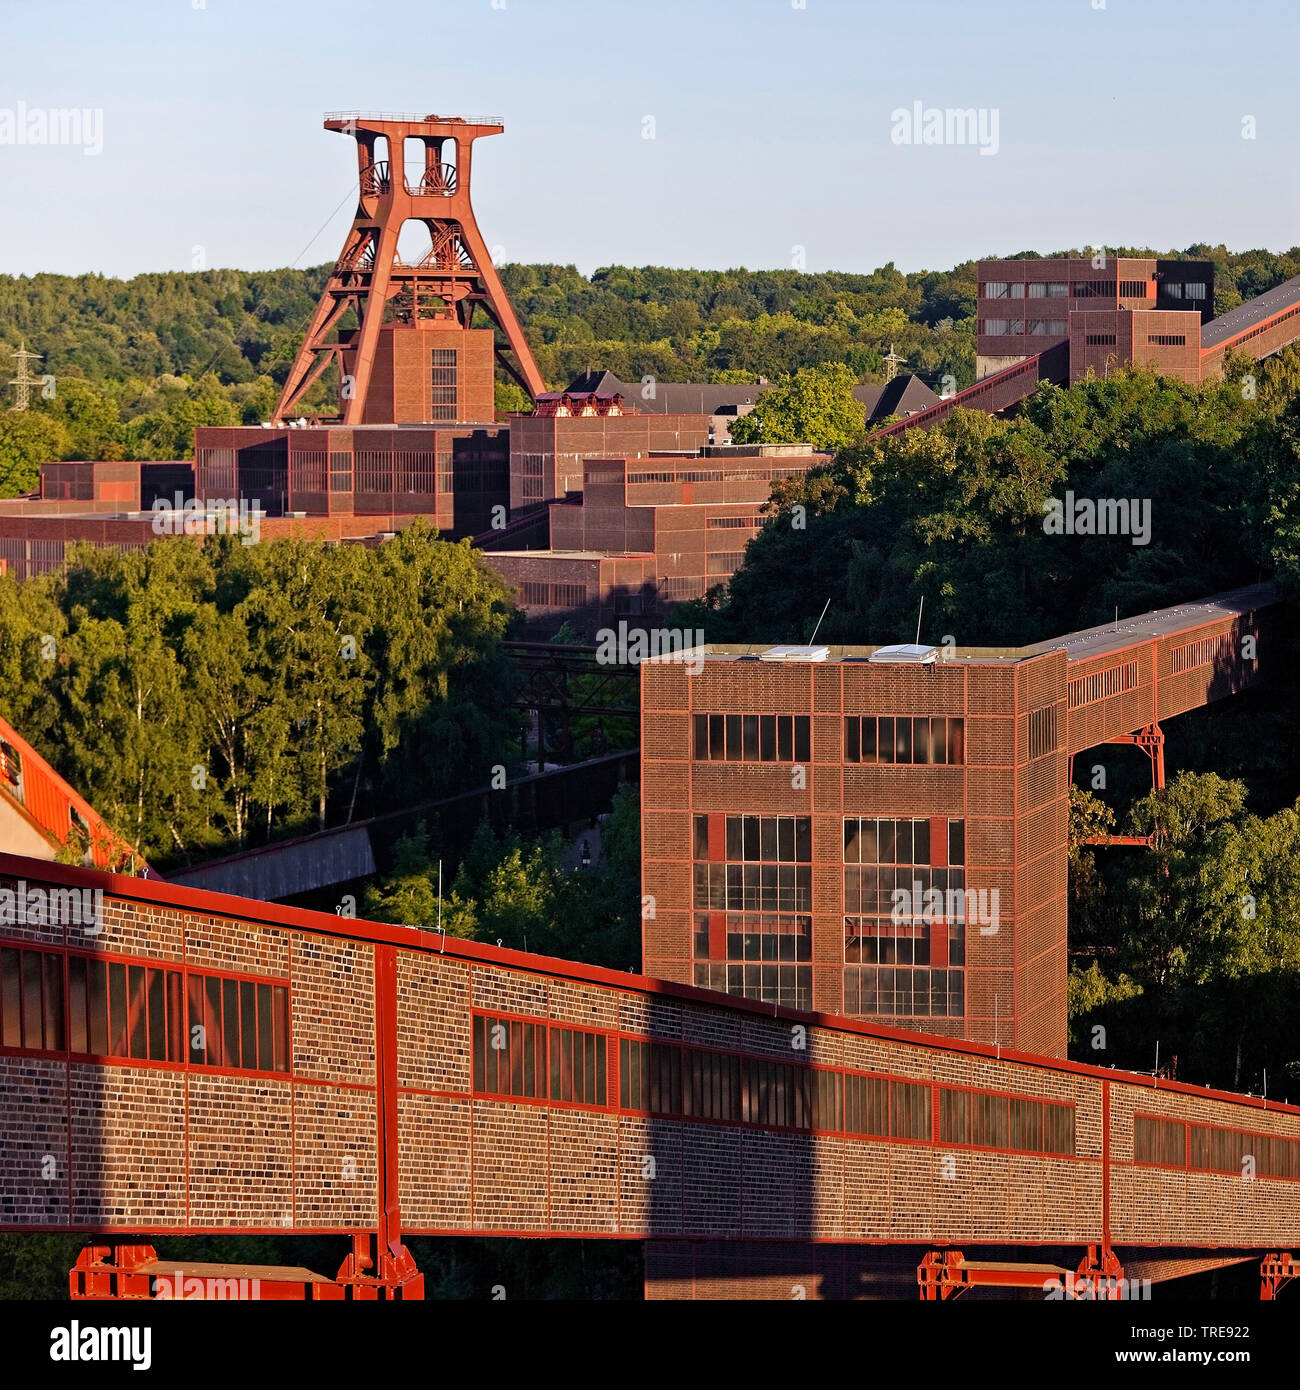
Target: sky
[(775, 142)]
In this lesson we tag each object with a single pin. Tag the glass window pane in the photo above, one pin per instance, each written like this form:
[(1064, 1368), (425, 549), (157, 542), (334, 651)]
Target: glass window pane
[(701, 729), (956, 842), (767, 839), (802, 747), (852, 739), (137, 1006), (116, 1010), (902, 740), (78, 1035), (767, 738), (749, 735), (265, 1029), (852, 840), (157, 1016), (885, 752), (717, 737), (921, 741), (784, 738), (733, 737)]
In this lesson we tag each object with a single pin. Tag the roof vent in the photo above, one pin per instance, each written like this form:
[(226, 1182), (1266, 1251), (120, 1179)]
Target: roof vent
[(909, 653), (795, 654)]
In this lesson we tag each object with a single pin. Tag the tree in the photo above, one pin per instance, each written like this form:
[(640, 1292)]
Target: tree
[(28, 438), (815, 406)]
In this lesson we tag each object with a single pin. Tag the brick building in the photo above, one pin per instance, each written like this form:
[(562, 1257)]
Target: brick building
[(1139, 310), (787, 801), (648, 531), (204, 1063)]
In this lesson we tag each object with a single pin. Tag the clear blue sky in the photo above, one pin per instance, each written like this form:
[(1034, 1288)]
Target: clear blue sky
[(1119, 125)]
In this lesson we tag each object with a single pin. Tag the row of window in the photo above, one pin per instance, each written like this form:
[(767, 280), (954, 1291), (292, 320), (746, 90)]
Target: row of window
[(1083, 690), (1209, 1149), (1014, 328), (751, 738), (753, 936), (924, 841), (790, 986), (538, 1061), (1099, 340), (86, 1006), (753, 839), (884, 941), (538, 594), (1206, 652), (753, 887), (884, 739), (904, 991), (1167, 339)]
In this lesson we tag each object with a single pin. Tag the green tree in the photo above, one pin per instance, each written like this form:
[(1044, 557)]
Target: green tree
[(815, 406)]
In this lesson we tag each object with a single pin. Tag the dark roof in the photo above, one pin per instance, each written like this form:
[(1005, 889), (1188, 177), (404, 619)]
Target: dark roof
[(1253, 311), (902, 396), (671, 397)]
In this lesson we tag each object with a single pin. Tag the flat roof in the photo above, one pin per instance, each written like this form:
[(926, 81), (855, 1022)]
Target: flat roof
[(1078, 646), (1253, 311)]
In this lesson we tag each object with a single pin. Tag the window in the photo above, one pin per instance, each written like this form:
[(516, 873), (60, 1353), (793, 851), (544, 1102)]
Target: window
[(906, 907), (136, 1011), (1093, 289), (1099, 339), (1003, 328), (509, 1057), (578, 1066), (753, 904), (1083, 690), (874, 1105), (11, 764), (1042, 731), (899, 739), (1208, 651), (996, 289), (710, 1085), (340, 471), (650, 1077), (751, 738), (725, 562), (1195, 289), (1048, 328), (530, 468), (237, 1024), (444, 383), (985, 1120), (1134, 289), (1159, 1141), (1049, 289), (1167, 339)]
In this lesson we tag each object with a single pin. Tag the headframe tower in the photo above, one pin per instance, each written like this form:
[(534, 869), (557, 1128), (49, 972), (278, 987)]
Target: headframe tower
[(448, 283)]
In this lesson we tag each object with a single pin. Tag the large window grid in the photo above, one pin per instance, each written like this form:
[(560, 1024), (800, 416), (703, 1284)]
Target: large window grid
[(1164, 1143), (444, 383), (1083, 690), (904, 957)]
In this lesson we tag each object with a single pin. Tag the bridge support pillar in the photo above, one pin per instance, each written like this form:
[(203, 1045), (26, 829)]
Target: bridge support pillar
[(1101, 1273), (1151, 740), (1275, 1272), (393, 1276), (112, 1271)]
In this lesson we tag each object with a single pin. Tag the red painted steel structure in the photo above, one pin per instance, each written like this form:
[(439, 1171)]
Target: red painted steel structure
[(454, 278), (31, 789)]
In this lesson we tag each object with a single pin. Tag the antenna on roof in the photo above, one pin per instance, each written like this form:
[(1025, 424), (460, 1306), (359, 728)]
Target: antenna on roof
[(813, 638), (919, 611)]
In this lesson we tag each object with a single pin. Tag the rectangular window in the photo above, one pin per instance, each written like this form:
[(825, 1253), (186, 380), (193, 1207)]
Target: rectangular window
[(1042, 731), (1208, 651), (1167, 339), (751, 738), (578, 1066), (1099, 339), (1134, 289), (1048, 328), (1049, 289), (444, 375), (241, 1025), (996, 289), (1159, 1141), (509, 1057), (888, 739), (1092, 289), (1083, 690)]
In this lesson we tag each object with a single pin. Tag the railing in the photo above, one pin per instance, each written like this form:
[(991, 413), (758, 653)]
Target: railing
[(411, 117)]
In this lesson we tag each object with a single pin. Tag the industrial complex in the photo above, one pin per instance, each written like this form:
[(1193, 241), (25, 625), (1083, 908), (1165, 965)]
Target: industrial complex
[(843, 1066)]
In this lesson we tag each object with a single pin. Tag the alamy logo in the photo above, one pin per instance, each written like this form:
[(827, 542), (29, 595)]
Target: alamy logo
[(52, 907), (918, 904), (77, 1343), (39, 125), (1098, 516), (629, 646), (190, 516), (180, 1285), (1089, 1289), (933, 125)]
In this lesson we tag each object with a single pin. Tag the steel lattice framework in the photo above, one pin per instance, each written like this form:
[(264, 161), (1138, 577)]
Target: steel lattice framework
[(455, 277)]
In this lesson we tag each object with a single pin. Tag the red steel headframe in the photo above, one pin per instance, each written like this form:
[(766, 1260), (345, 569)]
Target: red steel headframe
[(457, 274)]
